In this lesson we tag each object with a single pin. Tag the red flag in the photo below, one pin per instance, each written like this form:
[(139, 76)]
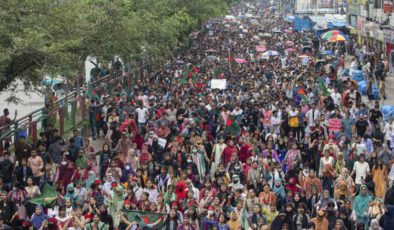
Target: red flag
[(146, 219), (301, 91), (229, 122), (195, 70)]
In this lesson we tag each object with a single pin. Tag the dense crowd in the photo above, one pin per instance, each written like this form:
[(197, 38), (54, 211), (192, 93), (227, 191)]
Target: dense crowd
[(289, 144)]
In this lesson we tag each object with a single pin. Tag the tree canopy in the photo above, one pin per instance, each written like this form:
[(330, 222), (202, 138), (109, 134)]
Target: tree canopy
[(40, 37)]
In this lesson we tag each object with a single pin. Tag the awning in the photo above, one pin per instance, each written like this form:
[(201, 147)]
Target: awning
[(337, 24)]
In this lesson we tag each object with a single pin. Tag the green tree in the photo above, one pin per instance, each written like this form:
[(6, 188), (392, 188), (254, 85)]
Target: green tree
[(53, 37)]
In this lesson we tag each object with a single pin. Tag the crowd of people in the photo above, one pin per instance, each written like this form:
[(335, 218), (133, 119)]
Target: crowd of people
[(289, 144)]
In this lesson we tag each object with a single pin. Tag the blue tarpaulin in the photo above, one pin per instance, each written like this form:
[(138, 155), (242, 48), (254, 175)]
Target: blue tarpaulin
[(301, 24), (290, 18), (332, 25)]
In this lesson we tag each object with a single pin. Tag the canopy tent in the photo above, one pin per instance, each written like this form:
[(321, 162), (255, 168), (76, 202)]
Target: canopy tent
[(324, 23), (290, 18), (51, 81)]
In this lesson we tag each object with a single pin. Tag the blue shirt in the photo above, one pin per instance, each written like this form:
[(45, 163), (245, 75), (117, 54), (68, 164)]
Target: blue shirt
[(78, 142), (368, 144)]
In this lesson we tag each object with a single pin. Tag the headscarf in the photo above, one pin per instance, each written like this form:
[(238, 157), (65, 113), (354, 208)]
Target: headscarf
[(180, 191), (127, 170), (339, 192), (69, 194), (117, 203), (279, 190), (374, 221), (145, 155), (118, 198), (90, 180), (292, 187), (67, 172), (37, 220), (361, 203)]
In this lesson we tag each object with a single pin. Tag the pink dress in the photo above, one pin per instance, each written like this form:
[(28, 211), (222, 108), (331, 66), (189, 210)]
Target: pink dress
[(290, 158)]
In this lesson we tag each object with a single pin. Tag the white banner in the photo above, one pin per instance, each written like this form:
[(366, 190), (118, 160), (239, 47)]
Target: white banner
[(218, 83)]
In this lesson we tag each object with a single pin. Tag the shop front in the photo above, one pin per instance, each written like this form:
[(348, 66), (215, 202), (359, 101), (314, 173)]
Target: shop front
[(389, 40)]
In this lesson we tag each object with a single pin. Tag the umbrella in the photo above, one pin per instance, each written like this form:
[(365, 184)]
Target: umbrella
[(289, 43), (291, 50), (325, 36), (179, 62), (276, 31), (254, 21), (328, 52), (306, 49), (265, 35), (210, 51), (51, 81), (271, 53), (303, 56), (279, 44), (337, 38), (241, 61), (287, 31), (212, 58), (290, 18), (261, 48), (229, 17)]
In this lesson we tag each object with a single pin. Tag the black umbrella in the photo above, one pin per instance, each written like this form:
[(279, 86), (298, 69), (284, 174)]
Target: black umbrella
[(306, 49)]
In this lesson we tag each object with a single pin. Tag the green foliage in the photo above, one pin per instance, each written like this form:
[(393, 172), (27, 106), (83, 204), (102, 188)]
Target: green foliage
[(40, 37)]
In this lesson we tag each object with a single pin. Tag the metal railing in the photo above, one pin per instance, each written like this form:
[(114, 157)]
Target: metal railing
[(65, 114)]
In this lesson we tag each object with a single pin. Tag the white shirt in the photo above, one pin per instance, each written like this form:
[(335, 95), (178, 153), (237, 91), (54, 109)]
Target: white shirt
[(52, 212), (387, 131), (360, 148), (293, 113), (312, 116), (171, 114), (238, 112), (142, 115), (274, 122), (361, 170), (336, 97)]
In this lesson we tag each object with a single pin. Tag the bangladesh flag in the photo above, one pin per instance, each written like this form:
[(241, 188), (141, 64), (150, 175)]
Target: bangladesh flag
[(143, 218), (231, 60), (48, 195), (91, 92), (184, 80), (302, 94), (232, 126), (218, 73), (323, 87), (189, 74)]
